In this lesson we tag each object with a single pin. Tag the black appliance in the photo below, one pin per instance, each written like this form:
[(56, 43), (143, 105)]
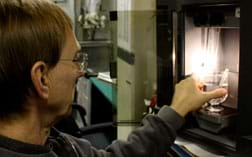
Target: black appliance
[(203, 37)]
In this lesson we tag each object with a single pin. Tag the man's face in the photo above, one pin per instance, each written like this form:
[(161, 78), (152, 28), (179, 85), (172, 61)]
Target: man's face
[(62, 78)]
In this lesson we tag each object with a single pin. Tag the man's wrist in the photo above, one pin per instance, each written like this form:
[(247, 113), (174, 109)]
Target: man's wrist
[(180, 110)]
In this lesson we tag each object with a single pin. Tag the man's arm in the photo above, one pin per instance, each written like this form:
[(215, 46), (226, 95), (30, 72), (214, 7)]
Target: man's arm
[(152, 139), (158, 132)]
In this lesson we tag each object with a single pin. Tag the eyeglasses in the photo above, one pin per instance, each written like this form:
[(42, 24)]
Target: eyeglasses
[(82, 59)]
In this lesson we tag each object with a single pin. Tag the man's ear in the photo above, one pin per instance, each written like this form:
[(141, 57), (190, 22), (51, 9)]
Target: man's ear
[(39, 76)]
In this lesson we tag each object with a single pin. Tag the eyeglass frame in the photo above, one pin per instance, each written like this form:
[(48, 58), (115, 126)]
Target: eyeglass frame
[(81, 58)]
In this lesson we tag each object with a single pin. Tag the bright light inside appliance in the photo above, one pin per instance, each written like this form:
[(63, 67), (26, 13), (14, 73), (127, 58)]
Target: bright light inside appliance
[(204, 60), (203, 64)]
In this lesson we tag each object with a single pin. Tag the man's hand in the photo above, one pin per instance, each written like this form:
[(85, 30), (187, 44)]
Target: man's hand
[(188, 96)]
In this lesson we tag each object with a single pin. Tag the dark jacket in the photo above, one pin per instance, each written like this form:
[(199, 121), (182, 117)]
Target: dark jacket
[(152, 139)]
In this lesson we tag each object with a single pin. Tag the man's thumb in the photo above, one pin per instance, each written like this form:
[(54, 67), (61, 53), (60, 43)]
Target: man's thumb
[(215, 93)]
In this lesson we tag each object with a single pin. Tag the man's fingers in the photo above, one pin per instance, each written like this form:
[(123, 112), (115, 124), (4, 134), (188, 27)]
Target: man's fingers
[(215, 93)]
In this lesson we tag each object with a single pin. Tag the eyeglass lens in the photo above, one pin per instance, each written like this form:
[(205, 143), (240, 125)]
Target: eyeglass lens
[(82, 58)]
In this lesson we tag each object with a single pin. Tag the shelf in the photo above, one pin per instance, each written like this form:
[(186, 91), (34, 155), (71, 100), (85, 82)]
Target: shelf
[(222, 141), (96, 43)]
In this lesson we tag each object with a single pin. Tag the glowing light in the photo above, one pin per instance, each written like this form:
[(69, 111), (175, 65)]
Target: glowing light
[(203, 63)]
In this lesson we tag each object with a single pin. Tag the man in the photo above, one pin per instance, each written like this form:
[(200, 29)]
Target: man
[(40, 61)]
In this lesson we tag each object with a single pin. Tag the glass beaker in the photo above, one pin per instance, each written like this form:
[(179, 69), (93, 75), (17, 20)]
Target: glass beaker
[(213, 81)]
